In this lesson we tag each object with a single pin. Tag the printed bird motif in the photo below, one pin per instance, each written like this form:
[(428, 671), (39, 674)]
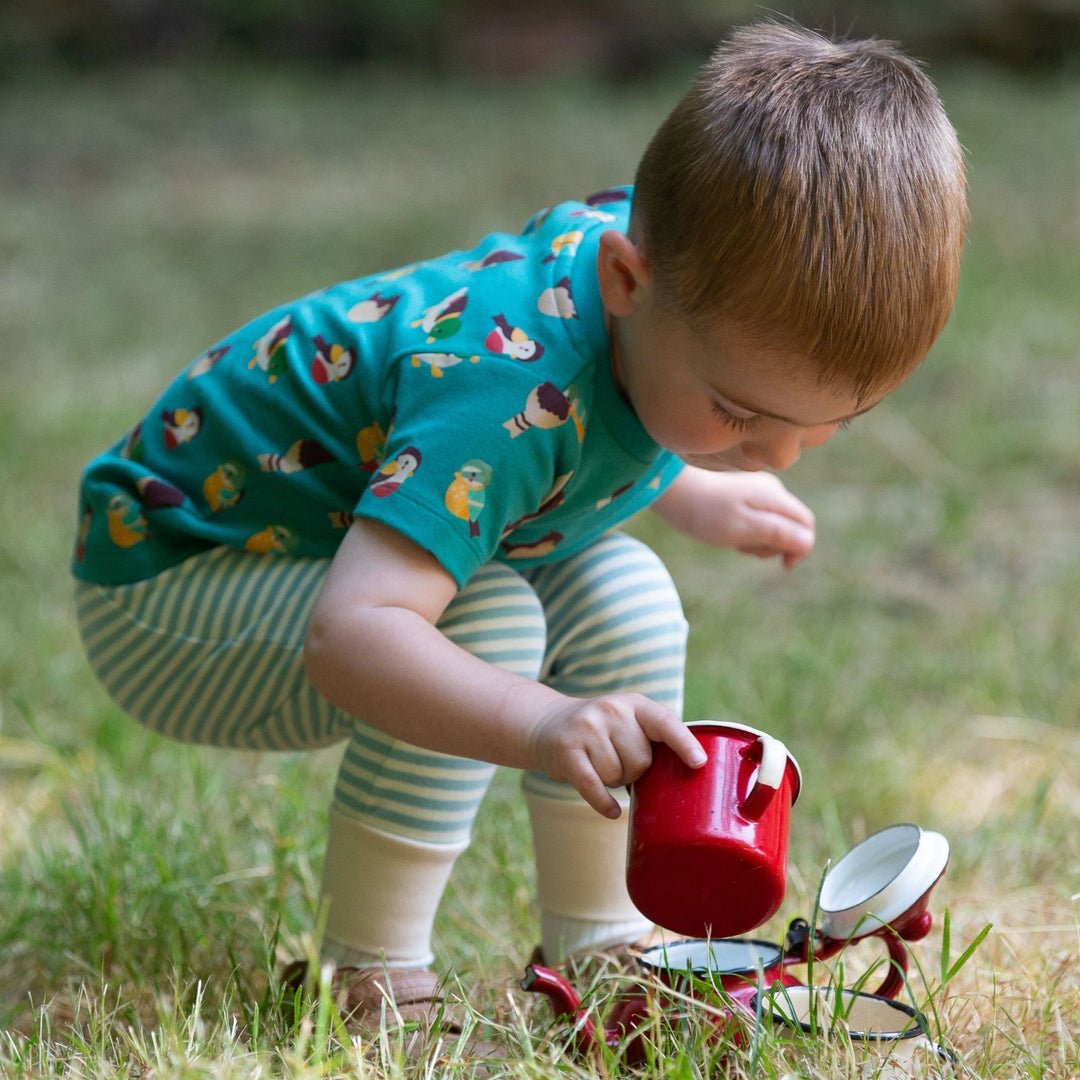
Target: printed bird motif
[(303, 454), (607, 500), (577, 412), (567, 241), (608, 195), (537, 221), (594, 215), (157, 494), (207, 361), (438, 361), (512, 341), (270, 356), (533, 548), (224, 487), (492, 258), (465, 496), (442, 320), (545, 406), (127, 526), (394, 473), (86, 522), (331, 363), (374, 308), (181, 425), (371, 446), (273, 540), (132, 448), (557, 302), (555, 497)]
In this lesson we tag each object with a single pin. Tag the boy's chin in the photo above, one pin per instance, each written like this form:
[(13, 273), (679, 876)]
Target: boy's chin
[(718, 463)]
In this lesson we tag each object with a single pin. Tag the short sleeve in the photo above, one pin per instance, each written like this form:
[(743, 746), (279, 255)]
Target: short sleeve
[(474, 446)]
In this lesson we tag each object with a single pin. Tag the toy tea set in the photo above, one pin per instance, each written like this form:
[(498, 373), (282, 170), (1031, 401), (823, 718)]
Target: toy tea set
[(707, 858)]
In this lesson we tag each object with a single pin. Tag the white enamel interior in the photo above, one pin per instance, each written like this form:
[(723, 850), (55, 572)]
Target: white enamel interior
[(863, 1016), (881, 878), (870, 867), (721, 956)]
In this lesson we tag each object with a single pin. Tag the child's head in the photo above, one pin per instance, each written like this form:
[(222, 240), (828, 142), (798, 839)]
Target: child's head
[(812, 194)]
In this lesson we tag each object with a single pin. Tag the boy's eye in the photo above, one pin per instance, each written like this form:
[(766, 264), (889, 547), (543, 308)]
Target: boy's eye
[(736, 423)]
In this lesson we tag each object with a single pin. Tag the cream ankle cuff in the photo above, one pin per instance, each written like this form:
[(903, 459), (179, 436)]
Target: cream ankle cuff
[(580, 861), (381, 892)]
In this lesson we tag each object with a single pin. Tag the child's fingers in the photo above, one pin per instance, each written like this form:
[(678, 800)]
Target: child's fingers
[(793, 558), (776, 498), (786, 535), (664, 726), (771, 534), (591, 788), (796, 509)]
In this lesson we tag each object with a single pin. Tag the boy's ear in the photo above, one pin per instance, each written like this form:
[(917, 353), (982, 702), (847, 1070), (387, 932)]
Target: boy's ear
[(621, 272)]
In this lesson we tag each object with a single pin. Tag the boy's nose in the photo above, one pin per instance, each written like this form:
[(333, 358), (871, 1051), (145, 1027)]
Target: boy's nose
[(777, 451)]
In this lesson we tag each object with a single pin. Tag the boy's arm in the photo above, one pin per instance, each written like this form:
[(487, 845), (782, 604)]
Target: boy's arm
[(373, 650), (750, 511)]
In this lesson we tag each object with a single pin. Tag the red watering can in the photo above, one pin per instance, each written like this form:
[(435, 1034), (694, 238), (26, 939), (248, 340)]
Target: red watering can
[(878, 889)]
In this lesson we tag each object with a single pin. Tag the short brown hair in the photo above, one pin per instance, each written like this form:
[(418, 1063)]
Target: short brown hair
[(813, 192)]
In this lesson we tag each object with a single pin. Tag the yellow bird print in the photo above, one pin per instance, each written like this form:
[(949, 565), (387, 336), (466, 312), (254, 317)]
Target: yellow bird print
[(465, 496), (127, 526)]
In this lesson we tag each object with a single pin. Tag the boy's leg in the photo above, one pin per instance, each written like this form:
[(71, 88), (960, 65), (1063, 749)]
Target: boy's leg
[(211, 652), (615, 622), (400, 815)]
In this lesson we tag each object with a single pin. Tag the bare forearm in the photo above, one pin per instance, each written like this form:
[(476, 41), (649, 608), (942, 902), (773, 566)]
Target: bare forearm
[(373, 648), (676, 504), (392, 668)]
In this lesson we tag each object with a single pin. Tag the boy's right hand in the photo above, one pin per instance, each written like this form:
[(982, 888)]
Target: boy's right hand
[(606, 742)]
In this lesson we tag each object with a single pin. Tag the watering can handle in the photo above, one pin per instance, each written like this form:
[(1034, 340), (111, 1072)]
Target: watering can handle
[(770, 775)]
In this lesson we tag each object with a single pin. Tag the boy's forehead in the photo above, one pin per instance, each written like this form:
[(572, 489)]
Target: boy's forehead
[(776, 381)]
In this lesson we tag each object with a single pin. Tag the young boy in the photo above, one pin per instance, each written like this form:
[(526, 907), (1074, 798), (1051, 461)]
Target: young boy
[(386, 513)]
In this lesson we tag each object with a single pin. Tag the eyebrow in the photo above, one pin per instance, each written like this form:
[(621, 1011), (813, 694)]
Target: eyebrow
[(796, 423)]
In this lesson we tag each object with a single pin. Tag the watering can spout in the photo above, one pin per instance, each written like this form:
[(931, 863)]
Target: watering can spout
[(542, 980), (566, 1003)]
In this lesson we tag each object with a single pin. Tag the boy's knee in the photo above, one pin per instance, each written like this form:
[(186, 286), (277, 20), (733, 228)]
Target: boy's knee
[(498, 617), (623, 574), (613, 608)]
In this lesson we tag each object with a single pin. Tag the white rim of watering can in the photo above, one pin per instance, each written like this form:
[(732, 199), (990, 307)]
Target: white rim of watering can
[(895, 896), (733, 726), (769, 1002), (673, 955)]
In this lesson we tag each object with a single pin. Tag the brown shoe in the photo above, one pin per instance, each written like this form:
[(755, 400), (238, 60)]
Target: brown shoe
[(368, 997)]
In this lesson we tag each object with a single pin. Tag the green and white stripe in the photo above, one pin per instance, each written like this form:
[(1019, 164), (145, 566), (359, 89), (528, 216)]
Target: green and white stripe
[(210, 651)]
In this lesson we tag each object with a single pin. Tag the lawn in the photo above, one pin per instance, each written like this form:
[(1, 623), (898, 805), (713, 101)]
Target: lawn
[(921, 665)]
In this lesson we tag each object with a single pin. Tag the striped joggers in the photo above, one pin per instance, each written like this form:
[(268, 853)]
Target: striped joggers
[(210, 651)]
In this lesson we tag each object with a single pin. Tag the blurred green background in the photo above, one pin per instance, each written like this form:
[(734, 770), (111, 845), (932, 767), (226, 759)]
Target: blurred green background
[(618, 38), (168, 170)]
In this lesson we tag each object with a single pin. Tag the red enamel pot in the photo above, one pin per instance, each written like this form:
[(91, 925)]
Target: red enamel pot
[(707, 848)]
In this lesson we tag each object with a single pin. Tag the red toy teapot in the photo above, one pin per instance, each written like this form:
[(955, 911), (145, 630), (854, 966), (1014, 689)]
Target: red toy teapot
[(878, 889)]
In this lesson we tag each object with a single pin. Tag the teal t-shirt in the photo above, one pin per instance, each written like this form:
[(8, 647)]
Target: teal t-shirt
[(467, 401)]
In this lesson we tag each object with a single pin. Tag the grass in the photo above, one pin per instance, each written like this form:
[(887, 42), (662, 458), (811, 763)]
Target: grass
[(921, 665)]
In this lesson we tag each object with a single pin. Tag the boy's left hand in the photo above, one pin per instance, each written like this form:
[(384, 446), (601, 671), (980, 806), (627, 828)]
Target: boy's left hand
[(751, 512)]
